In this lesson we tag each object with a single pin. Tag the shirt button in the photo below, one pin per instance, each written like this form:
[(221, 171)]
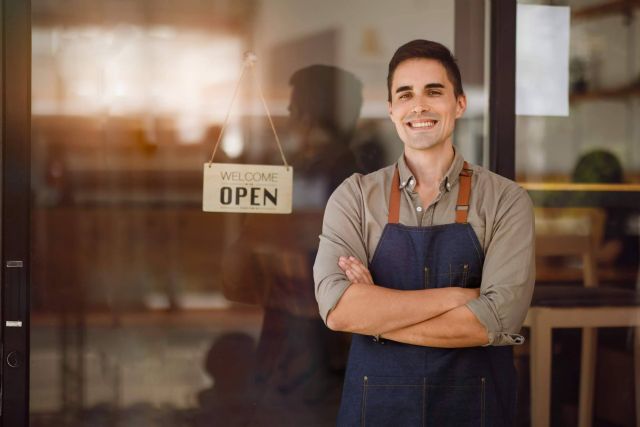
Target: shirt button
[(448, 186), (419, 208)]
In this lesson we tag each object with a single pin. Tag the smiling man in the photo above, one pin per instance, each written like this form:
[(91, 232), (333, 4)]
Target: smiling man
[(429, 263)]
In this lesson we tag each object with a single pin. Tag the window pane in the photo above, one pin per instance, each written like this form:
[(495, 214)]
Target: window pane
[(582, 171), (148, 311)]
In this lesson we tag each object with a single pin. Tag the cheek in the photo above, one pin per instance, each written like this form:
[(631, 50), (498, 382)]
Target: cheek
[(396, 117)]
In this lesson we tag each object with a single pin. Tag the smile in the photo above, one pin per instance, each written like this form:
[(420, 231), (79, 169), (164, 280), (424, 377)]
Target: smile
[(422, 124)]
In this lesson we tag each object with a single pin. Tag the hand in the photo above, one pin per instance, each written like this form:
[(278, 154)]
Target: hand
[(355, 270)]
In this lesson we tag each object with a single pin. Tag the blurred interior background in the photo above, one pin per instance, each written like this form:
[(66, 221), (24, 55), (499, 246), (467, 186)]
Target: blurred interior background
[(148, 312)]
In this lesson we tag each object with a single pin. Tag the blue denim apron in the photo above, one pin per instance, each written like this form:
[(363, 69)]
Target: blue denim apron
[(394, 384)]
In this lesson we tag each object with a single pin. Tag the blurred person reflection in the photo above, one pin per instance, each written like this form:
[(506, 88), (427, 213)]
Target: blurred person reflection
[(300, 363), (369, 150), (229, 362)]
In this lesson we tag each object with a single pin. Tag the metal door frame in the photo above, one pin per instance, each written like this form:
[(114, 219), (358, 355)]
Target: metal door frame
[(15, 109), (502, 88)]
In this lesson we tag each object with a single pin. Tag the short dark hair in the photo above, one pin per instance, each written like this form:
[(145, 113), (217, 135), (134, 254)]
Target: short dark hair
[(426, 49)]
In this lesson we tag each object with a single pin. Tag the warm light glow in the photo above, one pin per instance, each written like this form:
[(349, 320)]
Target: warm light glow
[(127, 70), (232, 142)]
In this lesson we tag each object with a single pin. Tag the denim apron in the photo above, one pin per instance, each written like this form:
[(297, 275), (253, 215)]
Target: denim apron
[(394, 384)]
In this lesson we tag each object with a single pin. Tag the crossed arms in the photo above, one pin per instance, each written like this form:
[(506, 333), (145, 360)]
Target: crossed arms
[(428, 317), (444, 317)]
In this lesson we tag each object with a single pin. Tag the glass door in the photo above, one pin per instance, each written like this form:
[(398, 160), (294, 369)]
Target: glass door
[(146, 310), (579, 158)]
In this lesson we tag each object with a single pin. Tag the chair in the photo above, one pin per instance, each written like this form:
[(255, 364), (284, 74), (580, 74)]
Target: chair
[(574, 307)]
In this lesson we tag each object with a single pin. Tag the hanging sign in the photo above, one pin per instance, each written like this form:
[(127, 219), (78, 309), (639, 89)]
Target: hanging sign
[(230, 187)]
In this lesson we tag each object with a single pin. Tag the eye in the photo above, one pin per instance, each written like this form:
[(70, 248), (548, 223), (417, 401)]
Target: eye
[(434, 93), (405, 95)]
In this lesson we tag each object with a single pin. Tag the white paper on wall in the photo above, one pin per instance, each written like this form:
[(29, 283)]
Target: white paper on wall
[(542, 60)]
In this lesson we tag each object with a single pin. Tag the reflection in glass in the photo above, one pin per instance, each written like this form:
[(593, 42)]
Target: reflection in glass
[(145, 310), (583, 174)]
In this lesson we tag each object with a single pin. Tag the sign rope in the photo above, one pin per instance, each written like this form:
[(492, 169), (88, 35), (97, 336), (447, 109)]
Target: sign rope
[(250, 59)]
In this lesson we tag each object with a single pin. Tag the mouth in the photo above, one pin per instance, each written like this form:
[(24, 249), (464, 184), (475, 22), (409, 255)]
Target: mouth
[(422, 124)]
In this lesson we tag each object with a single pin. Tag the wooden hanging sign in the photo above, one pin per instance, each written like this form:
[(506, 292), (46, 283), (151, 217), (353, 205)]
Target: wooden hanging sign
[(230, 187)]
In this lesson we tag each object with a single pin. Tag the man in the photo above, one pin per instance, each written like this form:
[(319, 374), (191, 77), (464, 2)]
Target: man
[(402, 254)]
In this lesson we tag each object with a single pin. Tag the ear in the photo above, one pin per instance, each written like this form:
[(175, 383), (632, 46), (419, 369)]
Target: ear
[(389, 107), (461, 105)]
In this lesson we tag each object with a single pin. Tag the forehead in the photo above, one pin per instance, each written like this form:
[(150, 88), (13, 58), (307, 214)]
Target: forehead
[(418, 72)]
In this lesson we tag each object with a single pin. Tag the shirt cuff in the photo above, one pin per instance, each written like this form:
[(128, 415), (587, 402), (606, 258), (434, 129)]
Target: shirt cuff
[(482, 308), (331, 297)]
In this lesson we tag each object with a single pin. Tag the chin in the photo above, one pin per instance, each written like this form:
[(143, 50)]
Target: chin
[(423, 145)]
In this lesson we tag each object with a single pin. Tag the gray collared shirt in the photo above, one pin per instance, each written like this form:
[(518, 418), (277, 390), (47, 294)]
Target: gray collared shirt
[(500, 212)]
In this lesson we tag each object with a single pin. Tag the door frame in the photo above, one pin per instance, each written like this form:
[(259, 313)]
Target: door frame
[(15, 109), (502, 87)]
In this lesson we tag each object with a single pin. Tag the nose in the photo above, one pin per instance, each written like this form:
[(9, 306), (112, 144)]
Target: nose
[(421, 107)]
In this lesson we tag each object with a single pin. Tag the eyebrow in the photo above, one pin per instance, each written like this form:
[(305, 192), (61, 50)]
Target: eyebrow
[(427, 86)]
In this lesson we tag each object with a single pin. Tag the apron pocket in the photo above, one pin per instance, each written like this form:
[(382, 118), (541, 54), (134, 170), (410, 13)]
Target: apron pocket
[(464, 276), (393, 401), (460, 403)]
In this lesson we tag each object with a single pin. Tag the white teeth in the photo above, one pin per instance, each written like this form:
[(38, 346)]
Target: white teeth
[(428, 124)]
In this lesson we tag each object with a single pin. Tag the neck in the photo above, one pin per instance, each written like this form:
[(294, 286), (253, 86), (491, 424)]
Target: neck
[(430, 166)]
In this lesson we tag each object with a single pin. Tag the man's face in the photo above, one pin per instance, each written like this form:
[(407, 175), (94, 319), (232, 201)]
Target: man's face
[(423, 105)]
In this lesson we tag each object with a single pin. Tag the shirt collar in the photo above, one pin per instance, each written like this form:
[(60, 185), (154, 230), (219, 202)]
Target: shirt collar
[(408, 180)]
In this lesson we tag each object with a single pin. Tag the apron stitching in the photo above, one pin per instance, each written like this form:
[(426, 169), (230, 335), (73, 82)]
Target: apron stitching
[(426, 277), (364, 400), (465, 273)]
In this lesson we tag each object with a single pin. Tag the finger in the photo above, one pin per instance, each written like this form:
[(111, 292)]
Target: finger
[(343, 266), (355, 270), (343, 263), (361, 270), (359, 277), (356, 263), (351, 276), (355, 260), (354, 276)]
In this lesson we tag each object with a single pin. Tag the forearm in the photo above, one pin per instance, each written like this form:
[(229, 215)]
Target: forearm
[(458, 327), (372, 310)]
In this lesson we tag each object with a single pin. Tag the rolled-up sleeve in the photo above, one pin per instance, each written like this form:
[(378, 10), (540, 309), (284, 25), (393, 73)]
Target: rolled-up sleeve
[(342, 235), (509, 270)]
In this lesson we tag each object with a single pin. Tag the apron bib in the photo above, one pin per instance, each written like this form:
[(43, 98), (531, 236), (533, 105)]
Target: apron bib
[(394, 384)]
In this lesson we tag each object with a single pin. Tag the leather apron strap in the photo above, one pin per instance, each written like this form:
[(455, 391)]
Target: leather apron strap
[(394, 199), (462, 206), (464, 194)]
